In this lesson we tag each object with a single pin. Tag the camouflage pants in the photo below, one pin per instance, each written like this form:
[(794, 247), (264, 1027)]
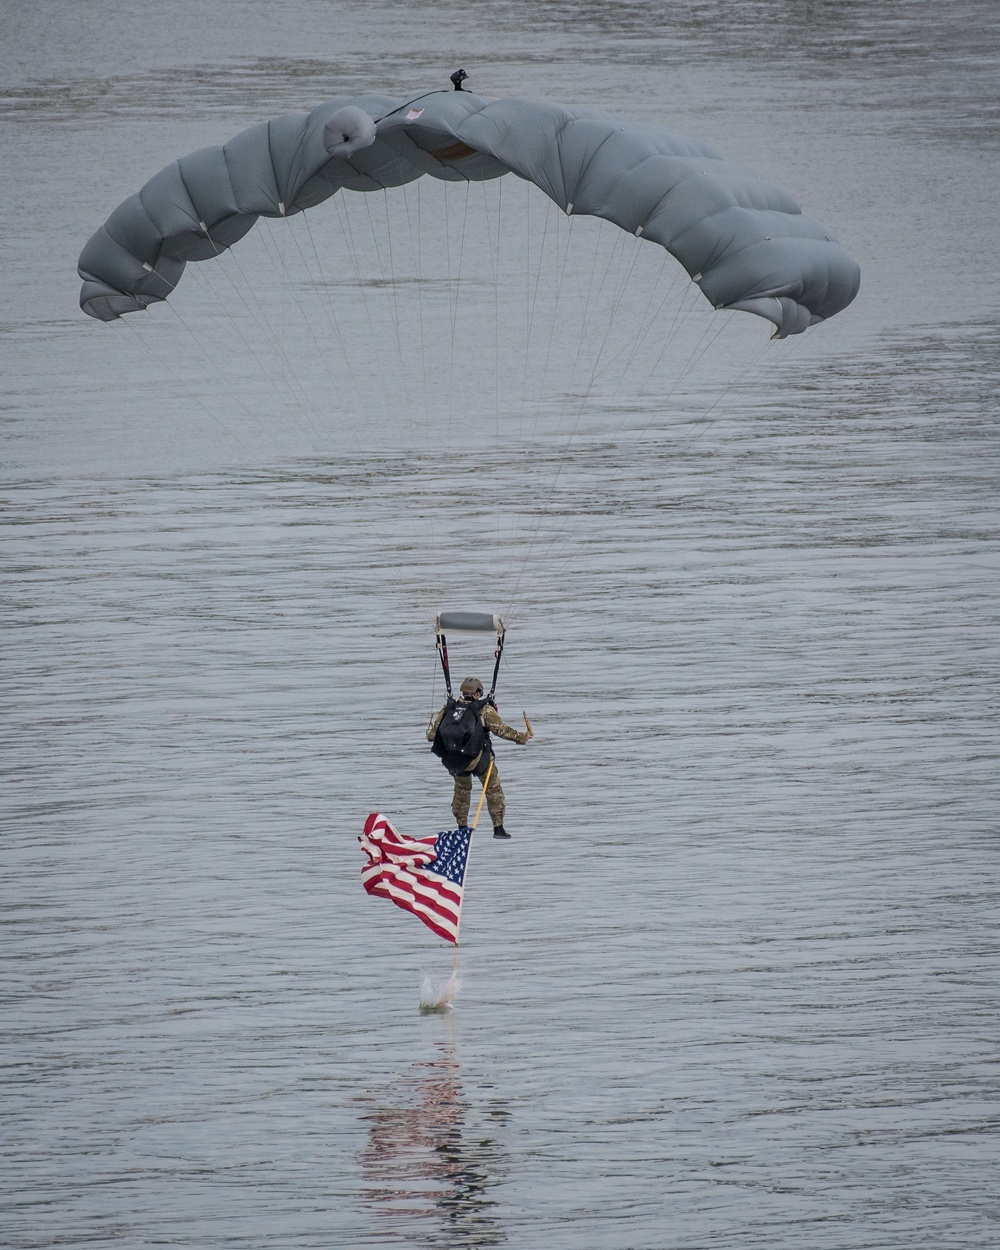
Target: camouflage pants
[(462, 799)]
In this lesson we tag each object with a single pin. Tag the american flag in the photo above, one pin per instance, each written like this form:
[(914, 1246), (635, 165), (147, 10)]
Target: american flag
[(421, 875)]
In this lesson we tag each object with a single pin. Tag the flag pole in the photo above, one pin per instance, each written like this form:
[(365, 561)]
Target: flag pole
[(486, 782)]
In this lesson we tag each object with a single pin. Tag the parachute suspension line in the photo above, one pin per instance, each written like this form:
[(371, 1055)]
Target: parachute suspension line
[(388, 284), (199, 342), (326, 301), (558, 540), (276, 249), (562, 263), (516, 694), (697, 352), (392, 291), (588, 305), (588, 302), (203, 275), (528, 307), (416, 248), (698, 428), (416, 245), (344, 220), (531, 292), (496, 267), (304, 314), (201, 404), (456, 291), (624, 281), (373, 476), (363, 500), (738, 386), (561, 273), (321, 352), (710, 334), (725, 402), (363, 283), (648, 320), (203, 280)]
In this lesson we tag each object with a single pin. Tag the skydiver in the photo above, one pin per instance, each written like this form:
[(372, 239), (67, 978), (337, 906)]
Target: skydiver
[(472, 690)]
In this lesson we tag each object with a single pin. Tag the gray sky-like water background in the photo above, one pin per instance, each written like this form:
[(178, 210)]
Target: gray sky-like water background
[(732, 985)]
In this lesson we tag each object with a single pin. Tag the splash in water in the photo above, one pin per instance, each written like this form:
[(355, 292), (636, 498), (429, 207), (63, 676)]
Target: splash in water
[(438, 996)]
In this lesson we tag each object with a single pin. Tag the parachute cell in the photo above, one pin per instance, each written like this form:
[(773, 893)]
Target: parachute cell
[(744, 241)]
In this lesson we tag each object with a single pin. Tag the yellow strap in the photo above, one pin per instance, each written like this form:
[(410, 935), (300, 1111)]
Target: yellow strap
[(486, 782)]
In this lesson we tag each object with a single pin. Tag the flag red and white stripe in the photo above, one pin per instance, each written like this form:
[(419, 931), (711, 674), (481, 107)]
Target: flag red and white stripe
[(424, 876)]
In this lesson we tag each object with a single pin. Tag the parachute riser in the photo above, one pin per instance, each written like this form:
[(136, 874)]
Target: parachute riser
[(497, 654), (474, 623), (442, 646), (441, 643)]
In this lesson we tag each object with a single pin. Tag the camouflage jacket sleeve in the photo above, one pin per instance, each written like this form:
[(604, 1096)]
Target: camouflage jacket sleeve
[(432, 728), (497, 726)]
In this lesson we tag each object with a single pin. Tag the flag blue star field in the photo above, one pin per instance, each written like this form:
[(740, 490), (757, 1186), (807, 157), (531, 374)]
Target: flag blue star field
[(422, 875)]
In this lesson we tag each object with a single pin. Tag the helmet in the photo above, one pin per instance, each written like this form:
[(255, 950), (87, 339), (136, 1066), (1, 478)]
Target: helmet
[(473, 686)]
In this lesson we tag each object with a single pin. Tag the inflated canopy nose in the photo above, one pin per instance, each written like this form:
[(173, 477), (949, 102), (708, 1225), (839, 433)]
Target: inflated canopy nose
[(348, 131)]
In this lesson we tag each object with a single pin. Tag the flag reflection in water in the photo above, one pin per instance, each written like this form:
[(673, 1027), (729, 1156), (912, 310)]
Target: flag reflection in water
[(424, 1161)]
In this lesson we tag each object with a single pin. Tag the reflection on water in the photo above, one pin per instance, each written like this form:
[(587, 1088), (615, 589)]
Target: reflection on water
[(423, 1167)]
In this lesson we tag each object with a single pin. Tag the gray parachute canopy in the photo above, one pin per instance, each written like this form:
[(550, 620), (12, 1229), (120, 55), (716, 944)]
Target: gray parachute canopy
[(744, 241)]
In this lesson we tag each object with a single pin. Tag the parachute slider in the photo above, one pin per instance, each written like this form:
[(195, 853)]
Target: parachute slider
[(469, 623)]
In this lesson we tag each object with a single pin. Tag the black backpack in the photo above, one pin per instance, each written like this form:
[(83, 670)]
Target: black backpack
[(461, 736)]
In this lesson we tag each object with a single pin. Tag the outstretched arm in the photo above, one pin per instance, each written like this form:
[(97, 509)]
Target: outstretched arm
[(496, 725)]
